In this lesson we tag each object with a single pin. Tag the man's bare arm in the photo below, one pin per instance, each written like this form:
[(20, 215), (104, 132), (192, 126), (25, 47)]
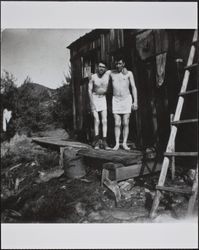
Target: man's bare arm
[(90, 93), (134, 90)]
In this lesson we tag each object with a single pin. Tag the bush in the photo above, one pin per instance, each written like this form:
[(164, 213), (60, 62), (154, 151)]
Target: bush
[(63, 107)]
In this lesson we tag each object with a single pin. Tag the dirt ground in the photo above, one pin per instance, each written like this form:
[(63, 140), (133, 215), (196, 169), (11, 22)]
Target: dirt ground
[(35, 190)]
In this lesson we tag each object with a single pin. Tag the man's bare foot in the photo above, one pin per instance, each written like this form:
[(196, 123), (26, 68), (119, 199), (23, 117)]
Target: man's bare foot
[(125, 147), (116, 147), (104, 145)]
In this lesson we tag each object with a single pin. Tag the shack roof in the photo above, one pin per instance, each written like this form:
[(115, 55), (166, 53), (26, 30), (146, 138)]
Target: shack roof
[(92, 35)]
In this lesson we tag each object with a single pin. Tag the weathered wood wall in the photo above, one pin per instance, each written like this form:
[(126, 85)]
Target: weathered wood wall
[(149, 126)]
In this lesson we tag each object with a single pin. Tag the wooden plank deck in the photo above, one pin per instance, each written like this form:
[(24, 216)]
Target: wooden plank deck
[(59, 142), (119, 156)]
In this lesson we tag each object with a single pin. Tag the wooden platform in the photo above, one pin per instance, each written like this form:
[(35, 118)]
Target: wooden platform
[(119, 156), (59, 142)]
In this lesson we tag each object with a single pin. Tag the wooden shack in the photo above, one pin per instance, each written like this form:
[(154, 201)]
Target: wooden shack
[(157, 59)]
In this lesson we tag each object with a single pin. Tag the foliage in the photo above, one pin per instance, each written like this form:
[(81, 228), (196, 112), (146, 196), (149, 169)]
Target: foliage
[(36, 107), (62, 110), (8, 90), (33, 107)]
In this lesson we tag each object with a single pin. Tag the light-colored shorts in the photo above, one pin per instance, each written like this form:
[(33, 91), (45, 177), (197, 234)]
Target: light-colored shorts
[(122, 106), (100, 102)]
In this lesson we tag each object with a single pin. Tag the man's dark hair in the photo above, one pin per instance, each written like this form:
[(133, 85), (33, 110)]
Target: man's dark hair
[(119, 58), (103, 62)]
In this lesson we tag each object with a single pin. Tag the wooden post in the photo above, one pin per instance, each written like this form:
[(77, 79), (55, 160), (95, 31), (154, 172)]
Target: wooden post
[(61, 159), (173, 133), (173, 157), (73, 94), (105, 175)]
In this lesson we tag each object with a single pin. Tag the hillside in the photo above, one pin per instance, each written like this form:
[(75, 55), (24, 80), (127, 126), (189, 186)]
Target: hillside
[(37, 90), (38, 108)]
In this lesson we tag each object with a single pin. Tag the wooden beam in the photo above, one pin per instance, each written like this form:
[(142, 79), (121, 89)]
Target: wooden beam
[(192, 66), (174, 190), (188, 92), (184, 121), (119, 156), (49, 141), (170, 154)]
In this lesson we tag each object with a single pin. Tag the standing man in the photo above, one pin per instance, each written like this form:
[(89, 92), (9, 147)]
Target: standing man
[(122, 103), (97, 89)]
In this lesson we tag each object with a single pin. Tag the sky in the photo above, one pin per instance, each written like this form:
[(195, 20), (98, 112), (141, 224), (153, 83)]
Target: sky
[(40, 54)]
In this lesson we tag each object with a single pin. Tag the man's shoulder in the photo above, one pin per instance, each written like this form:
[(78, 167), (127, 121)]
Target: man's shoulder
[(108, 72), (93, 76), (130, 73), (113, 71)]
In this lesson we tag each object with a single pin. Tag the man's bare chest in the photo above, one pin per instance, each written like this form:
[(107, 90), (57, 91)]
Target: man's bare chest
[(120, 79), (101, 81)]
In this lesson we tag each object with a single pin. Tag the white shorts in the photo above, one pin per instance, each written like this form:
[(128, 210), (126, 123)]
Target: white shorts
[(122, 106), (100, 102)]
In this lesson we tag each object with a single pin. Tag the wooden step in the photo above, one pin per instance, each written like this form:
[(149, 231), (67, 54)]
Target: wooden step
[(184, 121), (190, 67), (188, 92), (170, 154), (174, 190)]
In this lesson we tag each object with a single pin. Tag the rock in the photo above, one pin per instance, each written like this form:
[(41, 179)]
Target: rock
[(179, 199), (132, 181), (121, 183), (85, 221), (95, 216), (80, 209), (33, 164), (165, 217), (86, 180), (126, 186), (48, 175), (121, 215), (97, 206), (191, 174)]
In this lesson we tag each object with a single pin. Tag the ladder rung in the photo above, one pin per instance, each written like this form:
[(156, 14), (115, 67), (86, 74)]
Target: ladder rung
[(194, 154), (174, 190), (188, 92), (184, 121), (191, 66), (195, 42)]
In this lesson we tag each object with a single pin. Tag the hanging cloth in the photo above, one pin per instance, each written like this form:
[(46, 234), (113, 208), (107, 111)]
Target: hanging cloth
[(160, 68)]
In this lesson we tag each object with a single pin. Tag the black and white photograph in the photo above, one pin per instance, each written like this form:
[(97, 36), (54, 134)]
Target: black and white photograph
[(99, 126)]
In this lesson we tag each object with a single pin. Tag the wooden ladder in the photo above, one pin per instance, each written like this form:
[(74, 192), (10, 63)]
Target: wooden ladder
[(170, 154)]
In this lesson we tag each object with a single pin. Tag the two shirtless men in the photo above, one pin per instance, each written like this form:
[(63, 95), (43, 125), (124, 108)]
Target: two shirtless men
[(122, 103)]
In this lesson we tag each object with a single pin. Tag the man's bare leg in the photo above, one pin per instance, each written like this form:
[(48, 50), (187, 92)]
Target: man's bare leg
[(125, 131), (104, 123), (104, 129), (96, 127), (117, 131)]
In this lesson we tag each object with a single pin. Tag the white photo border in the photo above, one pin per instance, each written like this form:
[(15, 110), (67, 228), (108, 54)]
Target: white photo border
[(71, 15)]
